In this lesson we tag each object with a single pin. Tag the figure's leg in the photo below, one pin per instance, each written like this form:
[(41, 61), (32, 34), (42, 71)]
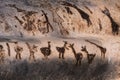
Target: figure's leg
[(76, 63), (59, 55), (46, 57), (16, 56), (62, 55), (104, 55), (33, 33), (2, 58), (101, 55), (88, 60), (47, 28), (51, 26), (80, 62), (19, 56), (33, 57)]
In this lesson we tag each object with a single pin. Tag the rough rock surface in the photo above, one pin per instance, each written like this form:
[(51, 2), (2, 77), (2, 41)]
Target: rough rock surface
[(52, 17), (91, 23)]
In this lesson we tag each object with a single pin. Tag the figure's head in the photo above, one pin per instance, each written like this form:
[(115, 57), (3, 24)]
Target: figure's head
[(34, 46), (39, 20), (83, 48), (16, 42), (21, 49), (65, 45), (49, 42), (65, 42), (91, 58), (106, 11), (71, 45), (92, 55)]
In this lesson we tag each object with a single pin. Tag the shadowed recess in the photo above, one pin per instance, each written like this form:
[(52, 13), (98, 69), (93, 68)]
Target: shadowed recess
[(55, 70)]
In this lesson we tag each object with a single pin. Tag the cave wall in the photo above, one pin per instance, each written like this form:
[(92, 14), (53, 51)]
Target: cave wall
[(41, 18)]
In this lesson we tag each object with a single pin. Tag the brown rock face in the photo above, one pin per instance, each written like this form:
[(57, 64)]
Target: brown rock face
[(60, 17)]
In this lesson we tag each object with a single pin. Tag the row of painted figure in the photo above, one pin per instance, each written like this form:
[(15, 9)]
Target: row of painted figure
[(46, 51)]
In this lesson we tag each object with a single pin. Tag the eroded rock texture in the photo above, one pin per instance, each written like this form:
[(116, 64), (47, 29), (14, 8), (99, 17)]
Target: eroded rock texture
[(59, 17)]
